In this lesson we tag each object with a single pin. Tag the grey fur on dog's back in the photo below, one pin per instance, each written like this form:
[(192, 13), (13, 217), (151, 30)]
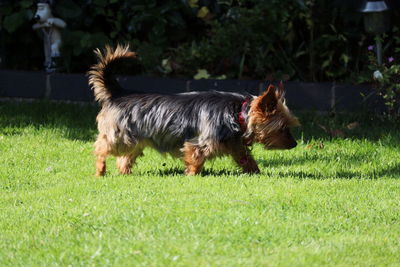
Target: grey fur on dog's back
[(164, 121), (170, 120)]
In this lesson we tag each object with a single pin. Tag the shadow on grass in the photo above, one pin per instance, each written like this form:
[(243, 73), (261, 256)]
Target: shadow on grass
[(392, 172), (180, 171), (348, 125), (77, 121), (312, 157)]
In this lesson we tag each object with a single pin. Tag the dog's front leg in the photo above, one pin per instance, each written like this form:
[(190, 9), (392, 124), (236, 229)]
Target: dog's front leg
[(194, 159), (245, 160)]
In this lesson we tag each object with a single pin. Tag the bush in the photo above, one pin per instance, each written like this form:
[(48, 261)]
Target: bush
[(305, 40), (385, 78)]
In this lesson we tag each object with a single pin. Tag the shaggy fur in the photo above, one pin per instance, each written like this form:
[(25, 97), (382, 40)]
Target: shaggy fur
[(195, 126)]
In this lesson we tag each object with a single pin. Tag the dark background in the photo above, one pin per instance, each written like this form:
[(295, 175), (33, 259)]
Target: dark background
[(303, 40)]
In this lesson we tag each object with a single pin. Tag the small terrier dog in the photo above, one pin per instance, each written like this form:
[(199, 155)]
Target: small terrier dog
[(195, 126)]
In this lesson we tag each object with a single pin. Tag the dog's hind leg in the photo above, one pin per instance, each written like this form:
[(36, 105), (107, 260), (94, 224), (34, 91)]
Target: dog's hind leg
[(100, 165), (194, 158), (101, 151), (125, 162)]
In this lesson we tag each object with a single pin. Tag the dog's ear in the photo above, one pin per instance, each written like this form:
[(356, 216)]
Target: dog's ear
[(268, 100)]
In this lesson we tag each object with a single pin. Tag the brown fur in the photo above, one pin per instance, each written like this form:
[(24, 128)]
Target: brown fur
[(268, 116), (194, 158), (97, 74)]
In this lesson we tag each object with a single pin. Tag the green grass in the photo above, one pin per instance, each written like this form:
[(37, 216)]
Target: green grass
[(330, 201)]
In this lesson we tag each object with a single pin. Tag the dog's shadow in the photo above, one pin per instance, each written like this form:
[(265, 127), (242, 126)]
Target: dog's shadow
[(392, 172), (176, 171)]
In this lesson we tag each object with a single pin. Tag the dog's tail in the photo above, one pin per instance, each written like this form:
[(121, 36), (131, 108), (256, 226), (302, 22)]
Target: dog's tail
[(101, 78)]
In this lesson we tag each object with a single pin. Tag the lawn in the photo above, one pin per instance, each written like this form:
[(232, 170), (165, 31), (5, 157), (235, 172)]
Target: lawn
[(333, 200)]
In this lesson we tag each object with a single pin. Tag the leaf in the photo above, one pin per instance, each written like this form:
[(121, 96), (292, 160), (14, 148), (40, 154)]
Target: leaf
[(176, 19), (113, 34), (69, 9), (102, 3), (201, 74), (14, 21), (332, 27), (203, 12), (25, 3), (166, 65), (345, 58), (353, 125), (5, 10), (99, 39), (326, 63), (193, 3), (29, 14), (86, 41), (323, 128), (301, 4), (300, 53)]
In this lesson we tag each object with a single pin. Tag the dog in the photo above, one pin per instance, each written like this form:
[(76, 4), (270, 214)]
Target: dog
[(194, 126)]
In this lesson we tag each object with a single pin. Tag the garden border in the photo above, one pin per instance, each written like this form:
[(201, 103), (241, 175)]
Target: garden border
[(325, 96)]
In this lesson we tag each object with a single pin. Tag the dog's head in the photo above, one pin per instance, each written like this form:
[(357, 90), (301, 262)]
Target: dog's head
[(270, 120)]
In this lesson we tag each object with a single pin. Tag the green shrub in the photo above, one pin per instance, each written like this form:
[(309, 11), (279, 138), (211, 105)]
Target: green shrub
[(255, 39), (305, 40), (385, 78)]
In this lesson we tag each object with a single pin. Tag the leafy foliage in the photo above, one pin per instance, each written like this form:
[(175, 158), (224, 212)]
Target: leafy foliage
[(385, 77), (278, 39)]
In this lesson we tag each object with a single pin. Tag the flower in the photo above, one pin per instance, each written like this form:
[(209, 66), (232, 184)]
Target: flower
[(390, 59), (370, 47), (377, 75)]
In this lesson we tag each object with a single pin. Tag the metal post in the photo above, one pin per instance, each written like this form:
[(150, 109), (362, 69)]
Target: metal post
[(379, 50)]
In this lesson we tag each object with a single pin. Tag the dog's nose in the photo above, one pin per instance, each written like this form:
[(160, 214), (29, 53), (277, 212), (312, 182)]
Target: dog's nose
[(36, 17)]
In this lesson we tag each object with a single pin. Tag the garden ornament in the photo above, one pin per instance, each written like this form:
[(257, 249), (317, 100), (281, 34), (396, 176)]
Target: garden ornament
[(376, 22), (49, 28)]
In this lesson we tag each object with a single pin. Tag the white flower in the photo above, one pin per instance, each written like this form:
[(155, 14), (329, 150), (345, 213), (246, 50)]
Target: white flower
[(378, 75)]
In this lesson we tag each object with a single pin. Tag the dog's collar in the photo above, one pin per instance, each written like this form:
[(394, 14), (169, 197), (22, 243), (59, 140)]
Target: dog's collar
[(242, 116)]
